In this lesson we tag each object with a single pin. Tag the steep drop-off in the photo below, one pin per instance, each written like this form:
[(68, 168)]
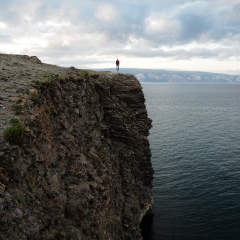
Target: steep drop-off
[(83, 168)]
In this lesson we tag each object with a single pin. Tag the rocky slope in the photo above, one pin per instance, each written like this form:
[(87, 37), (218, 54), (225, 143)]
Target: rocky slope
[(79, 167)]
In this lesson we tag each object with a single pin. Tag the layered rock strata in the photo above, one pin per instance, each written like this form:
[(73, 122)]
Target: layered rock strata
[(83, 168)]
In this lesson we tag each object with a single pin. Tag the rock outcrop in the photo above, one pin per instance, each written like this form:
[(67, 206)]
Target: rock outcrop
[(82, 168)]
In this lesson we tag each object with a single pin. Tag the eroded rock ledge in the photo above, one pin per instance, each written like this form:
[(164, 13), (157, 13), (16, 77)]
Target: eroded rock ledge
[(83, 170)]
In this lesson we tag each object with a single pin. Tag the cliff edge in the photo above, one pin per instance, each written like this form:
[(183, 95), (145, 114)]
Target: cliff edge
[(74, 154)]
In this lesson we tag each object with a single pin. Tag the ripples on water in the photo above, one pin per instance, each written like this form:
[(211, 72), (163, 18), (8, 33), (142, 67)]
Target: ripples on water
[(195, 143)]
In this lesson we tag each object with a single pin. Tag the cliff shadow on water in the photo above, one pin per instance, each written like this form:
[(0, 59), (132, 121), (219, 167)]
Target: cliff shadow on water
[(75, 158)]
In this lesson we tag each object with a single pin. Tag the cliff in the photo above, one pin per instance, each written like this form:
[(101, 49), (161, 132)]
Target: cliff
[(74, 154)]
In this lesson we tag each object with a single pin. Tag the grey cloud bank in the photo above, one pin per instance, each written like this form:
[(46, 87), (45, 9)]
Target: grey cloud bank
[(184, 35)]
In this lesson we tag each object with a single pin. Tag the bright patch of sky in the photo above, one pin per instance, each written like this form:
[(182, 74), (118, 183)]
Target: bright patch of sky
[(197, 35)]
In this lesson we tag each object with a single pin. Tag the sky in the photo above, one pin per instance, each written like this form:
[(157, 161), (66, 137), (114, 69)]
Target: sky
[(187, 35)]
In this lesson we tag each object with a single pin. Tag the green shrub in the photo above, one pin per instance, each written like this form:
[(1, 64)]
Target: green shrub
[(21, 200), (17, 108), (34, 95), (21, 96), (14, 134), (51, 76), (36, 82), (14, 121), (45, 84)]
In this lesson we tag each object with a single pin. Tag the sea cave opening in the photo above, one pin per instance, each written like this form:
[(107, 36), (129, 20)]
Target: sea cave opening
[(146, 226)]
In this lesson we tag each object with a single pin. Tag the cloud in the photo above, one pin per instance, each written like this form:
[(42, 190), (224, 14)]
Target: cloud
[(208, 21), (106, 12), (160, 30), (60, 31)]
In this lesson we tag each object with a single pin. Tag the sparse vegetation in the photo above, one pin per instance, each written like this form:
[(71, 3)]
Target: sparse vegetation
[(47, 81)]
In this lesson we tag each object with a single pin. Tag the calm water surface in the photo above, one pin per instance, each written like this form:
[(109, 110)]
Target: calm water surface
[(195, 143)]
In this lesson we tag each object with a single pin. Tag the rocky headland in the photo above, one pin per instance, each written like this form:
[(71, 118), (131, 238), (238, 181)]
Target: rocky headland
[(74, 154)]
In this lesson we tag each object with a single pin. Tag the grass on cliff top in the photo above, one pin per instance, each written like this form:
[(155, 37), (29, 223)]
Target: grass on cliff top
[(73, 76)]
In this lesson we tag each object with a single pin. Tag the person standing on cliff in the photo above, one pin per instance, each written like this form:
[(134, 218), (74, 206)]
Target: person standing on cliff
[(117, 64)]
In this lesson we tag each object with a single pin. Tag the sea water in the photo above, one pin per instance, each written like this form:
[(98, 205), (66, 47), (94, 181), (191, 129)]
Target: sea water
[(195, 144)]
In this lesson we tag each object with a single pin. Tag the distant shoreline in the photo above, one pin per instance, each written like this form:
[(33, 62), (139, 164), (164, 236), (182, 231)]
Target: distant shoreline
[(164, 76)]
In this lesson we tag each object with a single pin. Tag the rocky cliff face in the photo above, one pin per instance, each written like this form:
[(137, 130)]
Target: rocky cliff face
[(81, 168)]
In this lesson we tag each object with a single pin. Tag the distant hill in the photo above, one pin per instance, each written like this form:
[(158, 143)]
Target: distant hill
[(151, 75)]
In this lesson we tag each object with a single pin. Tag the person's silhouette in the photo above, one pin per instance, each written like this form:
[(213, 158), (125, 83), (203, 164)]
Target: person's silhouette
[(117, 64)]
